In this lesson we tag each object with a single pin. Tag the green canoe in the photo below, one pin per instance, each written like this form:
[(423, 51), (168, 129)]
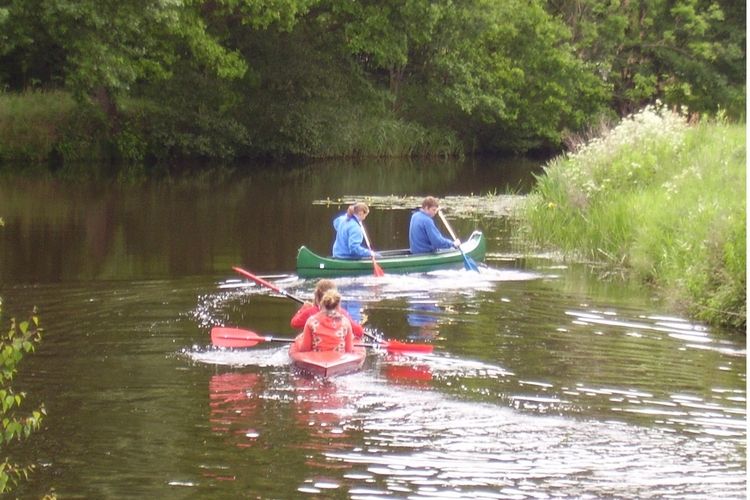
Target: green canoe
[(311, 265)]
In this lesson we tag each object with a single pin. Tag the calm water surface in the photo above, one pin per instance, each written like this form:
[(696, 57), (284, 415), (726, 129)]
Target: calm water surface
[(545, 382)]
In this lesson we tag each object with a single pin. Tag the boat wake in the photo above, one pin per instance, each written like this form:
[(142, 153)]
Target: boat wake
[(277, 356)]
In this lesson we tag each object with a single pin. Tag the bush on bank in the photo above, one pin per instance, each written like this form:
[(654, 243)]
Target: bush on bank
[(657, 198), (17, 424)]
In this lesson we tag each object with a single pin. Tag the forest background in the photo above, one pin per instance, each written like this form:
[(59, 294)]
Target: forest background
[(154, 81)]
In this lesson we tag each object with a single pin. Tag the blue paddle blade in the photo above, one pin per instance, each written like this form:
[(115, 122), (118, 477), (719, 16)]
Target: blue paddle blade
[(469, 263)]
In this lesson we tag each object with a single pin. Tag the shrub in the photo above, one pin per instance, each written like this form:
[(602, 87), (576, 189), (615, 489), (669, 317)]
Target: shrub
[(20, 339)]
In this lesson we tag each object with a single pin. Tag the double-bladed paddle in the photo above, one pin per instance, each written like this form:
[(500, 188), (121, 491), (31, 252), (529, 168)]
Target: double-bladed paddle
[(223, 336), (468, 261), (267, 284), (389, 345)]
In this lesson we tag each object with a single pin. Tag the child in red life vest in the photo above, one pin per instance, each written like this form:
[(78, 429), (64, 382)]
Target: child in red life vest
[(328, 329), (307, 310)]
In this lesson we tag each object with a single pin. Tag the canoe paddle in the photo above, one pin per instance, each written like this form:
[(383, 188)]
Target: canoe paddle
[(389, 345), (375, 266), (469, 263), (223, 336)]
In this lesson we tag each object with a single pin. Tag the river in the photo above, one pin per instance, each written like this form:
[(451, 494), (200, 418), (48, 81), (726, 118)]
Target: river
[(546, 381)]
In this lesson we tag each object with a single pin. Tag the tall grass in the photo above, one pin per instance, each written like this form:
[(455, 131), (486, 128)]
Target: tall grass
[(362, 133), (41, 127), (49, 127), (32, 123), (657, 199)]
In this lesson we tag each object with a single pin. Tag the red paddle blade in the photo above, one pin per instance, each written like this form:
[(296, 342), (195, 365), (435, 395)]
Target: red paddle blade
[(396, 346), (408, 373), (234, 337), (376, 267)]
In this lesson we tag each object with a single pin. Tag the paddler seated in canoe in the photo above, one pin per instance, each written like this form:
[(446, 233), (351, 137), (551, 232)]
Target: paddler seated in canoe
[(307, 310), (328, 329), (424, 236), (349, 234)]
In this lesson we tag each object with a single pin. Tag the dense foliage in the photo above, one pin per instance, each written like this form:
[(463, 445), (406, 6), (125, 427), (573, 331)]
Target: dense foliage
[(231, 78), (657, 199), (19, 340)]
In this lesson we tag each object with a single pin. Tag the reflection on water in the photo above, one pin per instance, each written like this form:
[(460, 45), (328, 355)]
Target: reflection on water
[(423, 320), (598, 361), (201, 225), (545, 381), (233, 410), (597, 402), (420, 443)]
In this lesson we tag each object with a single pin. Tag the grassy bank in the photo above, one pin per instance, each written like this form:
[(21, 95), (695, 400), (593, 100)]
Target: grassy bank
[(51, 128), (656, 199), (31, 125)]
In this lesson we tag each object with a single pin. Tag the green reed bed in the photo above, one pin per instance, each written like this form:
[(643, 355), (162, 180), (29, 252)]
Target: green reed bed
[(656, 199), (31, 124), (383, 136), (50, 127)]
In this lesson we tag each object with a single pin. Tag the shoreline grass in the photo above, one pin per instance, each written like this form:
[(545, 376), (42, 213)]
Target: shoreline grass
[(32, 124), (51, 128), (661, 201)]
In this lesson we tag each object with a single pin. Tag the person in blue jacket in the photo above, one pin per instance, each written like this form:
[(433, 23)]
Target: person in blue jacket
[(424, 236), (349, 235)]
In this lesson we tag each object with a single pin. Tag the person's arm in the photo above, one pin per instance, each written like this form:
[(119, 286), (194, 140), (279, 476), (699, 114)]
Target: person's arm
[(304, 340), (300, 317), (357, 329), (349, 339), (355, 241), (437, 240)]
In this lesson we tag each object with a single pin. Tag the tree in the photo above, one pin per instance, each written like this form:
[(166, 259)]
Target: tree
[(384, 35), (500, 72), (509, 68), (683, 52), (103, 47)]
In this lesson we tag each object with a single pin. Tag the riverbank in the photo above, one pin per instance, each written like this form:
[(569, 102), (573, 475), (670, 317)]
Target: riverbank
[(51, 128), (657, 200)]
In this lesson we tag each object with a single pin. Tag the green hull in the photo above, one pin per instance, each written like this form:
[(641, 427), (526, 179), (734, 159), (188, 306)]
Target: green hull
[(311, 265)]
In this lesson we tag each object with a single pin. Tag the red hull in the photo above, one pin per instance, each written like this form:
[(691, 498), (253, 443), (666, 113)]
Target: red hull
[(328, 363)]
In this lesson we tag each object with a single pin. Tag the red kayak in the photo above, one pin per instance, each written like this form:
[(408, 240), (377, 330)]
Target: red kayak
[(328, 363)]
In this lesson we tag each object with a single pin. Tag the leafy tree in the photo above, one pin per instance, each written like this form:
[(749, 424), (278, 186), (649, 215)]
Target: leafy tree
[(509, 69), (500, 72), (227, 78), (384, 35), (20, 339), (103, 47), (684, 52)]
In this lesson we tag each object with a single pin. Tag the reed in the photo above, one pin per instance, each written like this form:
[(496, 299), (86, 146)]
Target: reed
[(658, 200), (41, 127), (359, 134), (32, 123)]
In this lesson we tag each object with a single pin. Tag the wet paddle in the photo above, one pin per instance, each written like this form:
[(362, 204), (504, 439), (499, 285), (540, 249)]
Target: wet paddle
[(267, 284), (375, 266), (469, 263), (390, 345), (223, 336)]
